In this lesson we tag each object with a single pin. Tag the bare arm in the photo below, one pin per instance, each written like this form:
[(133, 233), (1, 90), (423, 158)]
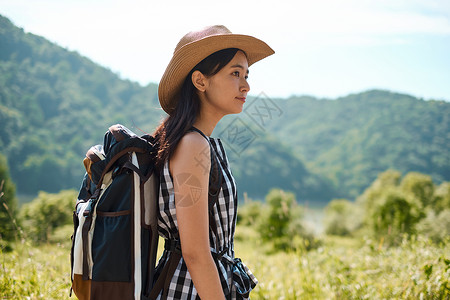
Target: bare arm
[(189, 167)]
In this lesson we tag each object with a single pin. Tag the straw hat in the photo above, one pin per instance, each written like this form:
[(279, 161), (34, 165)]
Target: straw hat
[(196, 46)]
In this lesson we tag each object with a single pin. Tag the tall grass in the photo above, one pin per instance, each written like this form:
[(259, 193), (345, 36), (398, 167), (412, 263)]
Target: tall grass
[(341, 268), (36, 272), (350, 269)]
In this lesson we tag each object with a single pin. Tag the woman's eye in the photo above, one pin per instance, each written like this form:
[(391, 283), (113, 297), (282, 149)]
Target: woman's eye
[(238, 74)]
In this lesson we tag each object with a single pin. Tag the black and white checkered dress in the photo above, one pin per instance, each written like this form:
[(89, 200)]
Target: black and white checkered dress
[(181, 286)]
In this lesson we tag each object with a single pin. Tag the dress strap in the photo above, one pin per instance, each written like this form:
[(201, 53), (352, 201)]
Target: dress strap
[(215, 181), (215, 174), (199, 131)]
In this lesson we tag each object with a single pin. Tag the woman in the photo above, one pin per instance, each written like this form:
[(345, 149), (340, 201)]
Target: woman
[(205, 80)]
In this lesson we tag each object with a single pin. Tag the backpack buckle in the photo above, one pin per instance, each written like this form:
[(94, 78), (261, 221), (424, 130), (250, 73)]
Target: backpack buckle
[(89, 208)]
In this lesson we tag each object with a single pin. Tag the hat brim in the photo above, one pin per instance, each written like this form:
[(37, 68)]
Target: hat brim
[(188, 56)]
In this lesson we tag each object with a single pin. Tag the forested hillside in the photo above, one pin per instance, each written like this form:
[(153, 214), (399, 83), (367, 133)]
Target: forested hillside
[(55, 104), (350, 140), (355, 191)]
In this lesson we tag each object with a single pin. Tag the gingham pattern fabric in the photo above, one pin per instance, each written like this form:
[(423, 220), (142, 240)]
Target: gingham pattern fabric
[(181, 286)]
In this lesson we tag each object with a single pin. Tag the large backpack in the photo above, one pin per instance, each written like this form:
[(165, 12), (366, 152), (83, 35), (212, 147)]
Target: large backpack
[(115, 239)]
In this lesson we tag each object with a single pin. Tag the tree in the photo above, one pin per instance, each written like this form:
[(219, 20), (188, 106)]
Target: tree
[(436, 226), (250, 213), (374, 193), (341, 217), (442, 197), (394, 215), (418, 186), (388, 178), (282, 224), (394, 207), (280, 214), (8, 203)]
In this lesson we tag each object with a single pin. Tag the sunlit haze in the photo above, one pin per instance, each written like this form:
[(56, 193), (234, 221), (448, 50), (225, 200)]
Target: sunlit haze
[(323, 48)]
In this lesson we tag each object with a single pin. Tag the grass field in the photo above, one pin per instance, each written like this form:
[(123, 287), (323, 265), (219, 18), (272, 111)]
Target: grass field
[(35, 272), (339, 269), (349, 269)]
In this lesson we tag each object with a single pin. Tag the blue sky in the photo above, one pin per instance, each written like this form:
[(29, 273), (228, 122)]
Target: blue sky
[(324, 48)]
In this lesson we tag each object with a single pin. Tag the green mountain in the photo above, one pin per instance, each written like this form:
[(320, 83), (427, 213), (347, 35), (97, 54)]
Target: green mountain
[(351, 139), (55, 104)]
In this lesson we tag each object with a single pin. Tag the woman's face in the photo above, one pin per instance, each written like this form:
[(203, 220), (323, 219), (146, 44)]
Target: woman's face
[(226, 91)]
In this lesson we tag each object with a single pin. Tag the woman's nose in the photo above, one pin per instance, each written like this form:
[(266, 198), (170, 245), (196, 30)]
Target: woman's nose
[(245, 86)]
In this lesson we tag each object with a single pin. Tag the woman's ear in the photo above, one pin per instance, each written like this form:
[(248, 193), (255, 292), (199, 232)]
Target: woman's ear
[(199, 81)]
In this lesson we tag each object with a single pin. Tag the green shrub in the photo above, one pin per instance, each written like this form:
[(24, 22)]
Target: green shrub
[(279, 216), (47, 212), (281, 223), (435, 226), (372, 194), (8, 205), (442, 197), (418, 186), (395, 215), (393, 207), (341, 217), (250, 213)]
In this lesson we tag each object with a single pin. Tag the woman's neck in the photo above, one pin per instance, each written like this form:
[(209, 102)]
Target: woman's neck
[(206, 123), (204, 127)]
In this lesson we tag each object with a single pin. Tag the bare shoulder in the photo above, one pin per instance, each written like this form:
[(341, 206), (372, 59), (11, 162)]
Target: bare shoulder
[(192, 150), (193, 143)]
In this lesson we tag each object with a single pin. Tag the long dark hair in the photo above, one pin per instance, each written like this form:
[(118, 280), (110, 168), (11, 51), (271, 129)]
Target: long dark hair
[(175, 126)]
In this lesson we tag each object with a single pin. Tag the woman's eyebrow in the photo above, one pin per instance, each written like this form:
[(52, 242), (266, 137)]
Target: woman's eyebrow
[(240, 66)]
